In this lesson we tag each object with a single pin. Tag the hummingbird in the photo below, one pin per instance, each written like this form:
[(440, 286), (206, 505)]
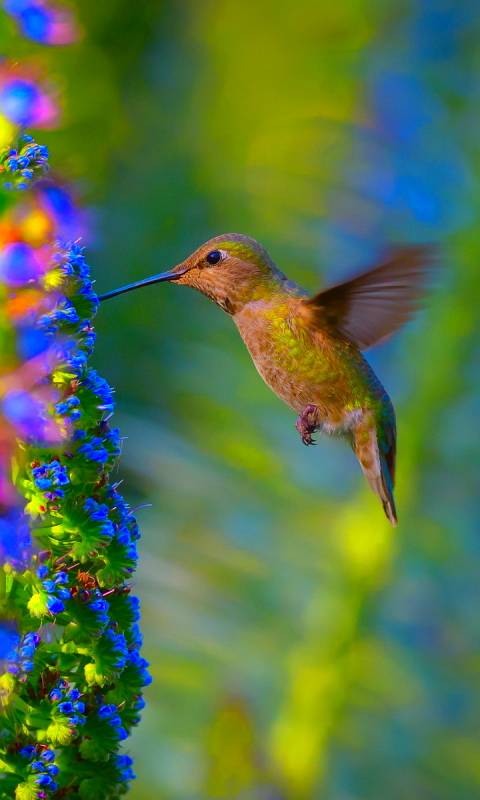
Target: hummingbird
[(309, 349)]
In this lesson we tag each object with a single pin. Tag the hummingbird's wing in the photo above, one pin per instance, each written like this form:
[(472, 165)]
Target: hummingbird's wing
[(371, 306)]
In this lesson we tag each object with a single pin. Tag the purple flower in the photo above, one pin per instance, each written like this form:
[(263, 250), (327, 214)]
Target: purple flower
[(42, 22), (19, 264), (26, 413)]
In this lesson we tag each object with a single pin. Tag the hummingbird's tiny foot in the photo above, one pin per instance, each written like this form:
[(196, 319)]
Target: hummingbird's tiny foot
[(307, 423)]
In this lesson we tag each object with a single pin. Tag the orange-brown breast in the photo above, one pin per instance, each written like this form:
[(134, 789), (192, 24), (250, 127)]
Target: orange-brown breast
[(302, 367)]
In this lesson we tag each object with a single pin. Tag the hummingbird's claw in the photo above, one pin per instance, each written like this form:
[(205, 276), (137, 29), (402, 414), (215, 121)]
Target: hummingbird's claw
[(307, 439), (307, 423)]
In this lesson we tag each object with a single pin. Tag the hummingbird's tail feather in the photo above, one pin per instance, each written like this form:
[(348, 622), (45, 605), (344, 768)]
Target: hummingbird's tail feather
[(377, 459)]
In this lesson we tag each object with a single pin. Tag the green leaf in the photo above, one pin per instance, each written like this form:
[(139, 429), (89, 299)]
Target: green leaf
[(123, 610), (85, 623), (7, 685), (60, 734), (93, 789), (37, 720), (37, 605), (17, 701), (94, 750), (117, 565), (26, 791), (93, 677)]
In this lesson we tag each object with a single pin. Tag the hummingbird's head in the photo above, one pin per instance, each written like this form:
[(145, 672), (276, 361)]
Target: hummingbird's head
[(231, 269)]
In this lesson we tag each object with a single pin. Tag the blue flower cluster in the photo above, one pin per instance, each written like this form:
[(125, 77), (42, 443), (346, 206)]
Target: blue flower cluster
[(108, 713), (69, 408), (64, 313), (51, 476), (98, 513), (67, 709), (92, 448), (100, 608), (124, 766), (71, 315), (112, 648), (100, 388), (87, 540), (138, 667), (20, 659), (42, 768), (23, 162), (55, 588)]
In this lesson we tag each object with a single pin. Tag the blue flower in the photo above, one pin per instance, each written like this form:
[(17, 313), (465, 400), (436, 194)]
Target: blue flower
[(106, 711), (43, 780), (99, 605), (12, 655), (123, 764), (32, 638), (42, 572), (27, 752), (51, 475), (54, 605), (43, 483)]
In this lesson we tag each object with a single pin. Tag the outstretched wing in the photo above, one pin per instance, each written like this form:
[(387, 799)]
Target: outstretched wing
[(370, 307)]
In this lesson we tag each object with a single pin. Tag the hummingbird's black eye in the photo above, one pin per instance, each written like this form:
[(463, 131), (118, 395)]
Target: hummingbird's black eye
[(214, 257)]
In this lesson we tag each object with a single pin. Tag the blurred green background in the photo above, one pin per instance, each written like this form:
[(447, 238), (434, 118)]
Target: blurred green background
[(300, 647)]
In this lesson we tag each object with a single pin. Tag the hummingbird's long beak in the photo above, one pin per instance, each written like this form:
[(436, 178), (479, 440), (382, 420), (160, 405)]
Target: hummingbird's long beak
[(164, 276)]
